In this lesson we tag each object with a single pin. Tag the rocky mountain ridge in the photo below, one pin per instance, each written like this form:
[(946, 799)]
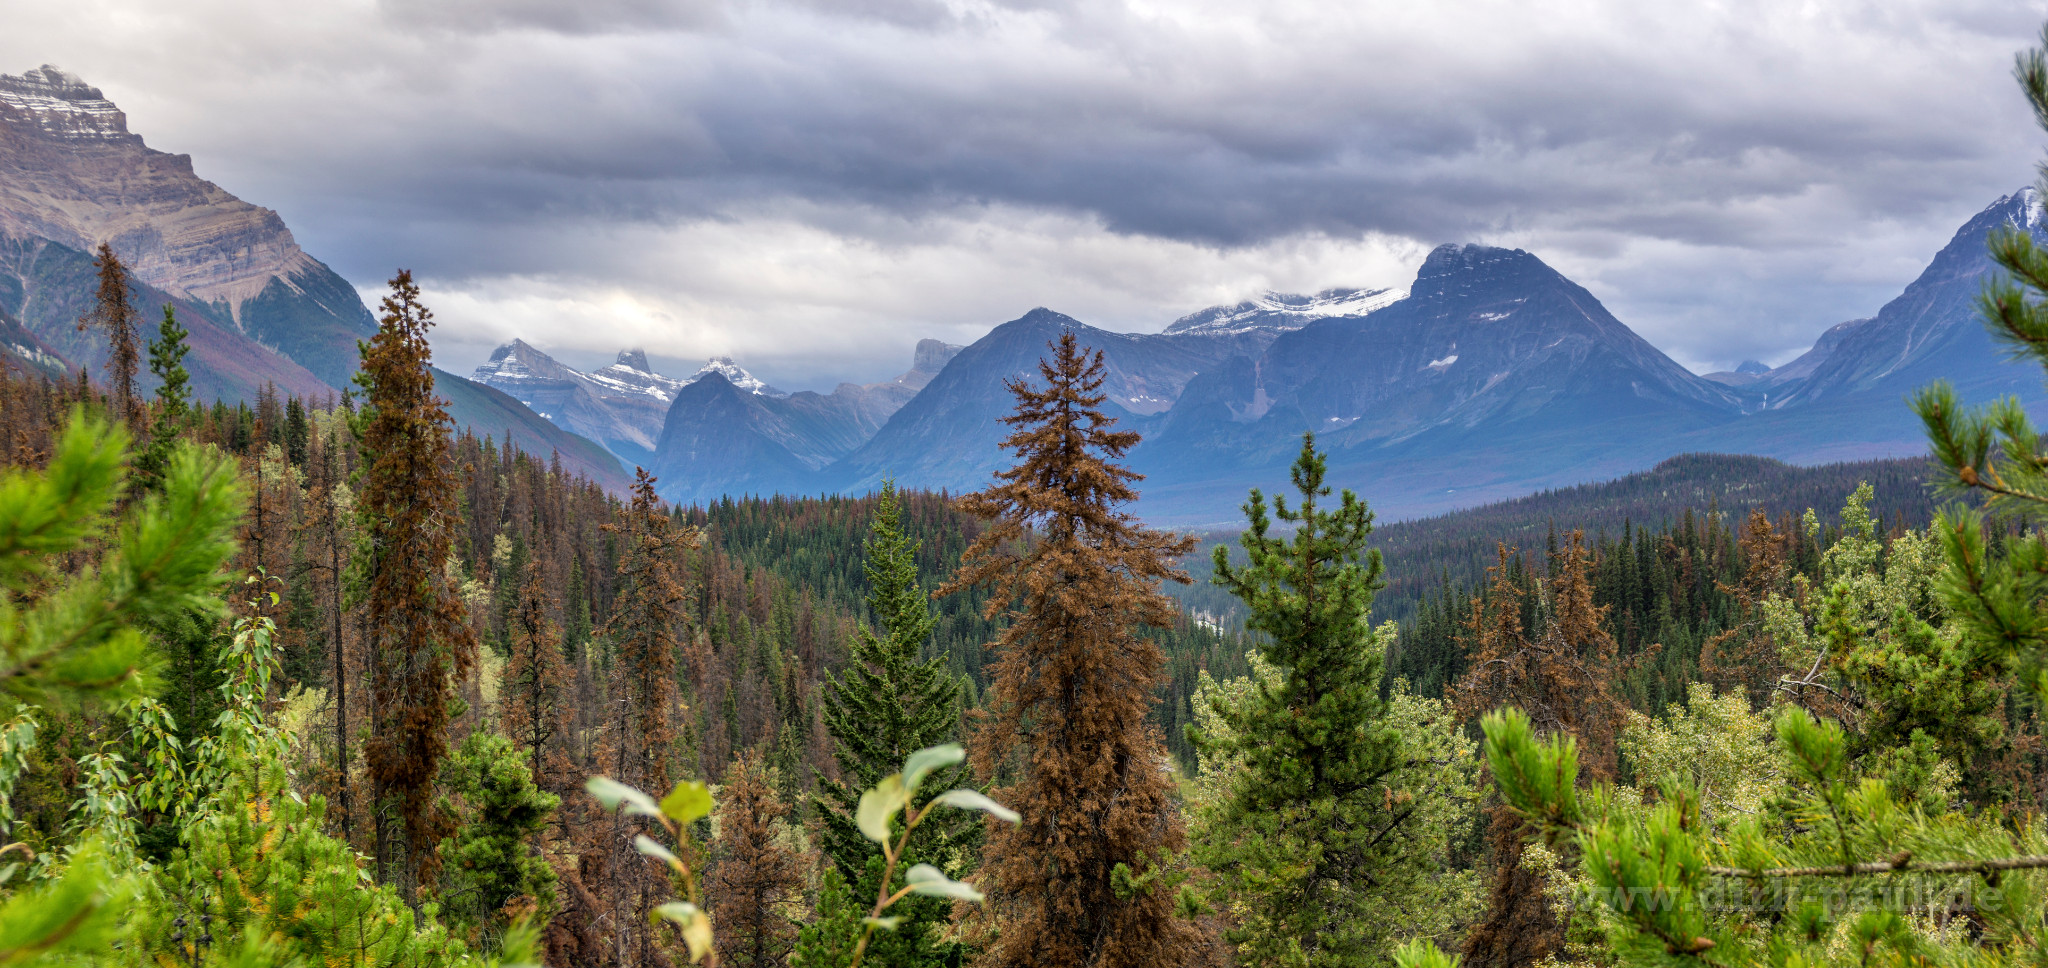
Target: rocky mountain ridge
[(76, 177), (628, 407), (260, 310), (1494, 376)]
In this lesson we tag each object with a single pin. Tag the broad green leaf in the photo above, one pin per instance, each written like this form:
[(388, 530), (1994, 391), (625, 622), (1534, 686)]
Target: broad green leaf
[(972, 800), (695, 923), (611, 793), (926, 879), (920, 764), (886, 924), (646, 845), (878, 805), (689, 802)]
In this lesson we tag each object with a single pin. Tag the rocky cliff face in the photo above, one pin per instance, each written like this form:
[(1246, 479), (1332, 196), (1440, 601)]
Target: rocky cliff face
[(73, 174)]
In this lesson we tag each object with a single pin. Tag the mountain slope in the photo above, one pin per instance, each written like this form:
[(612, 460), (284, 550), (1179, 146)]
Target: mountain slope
[(620, 406), (726, 438), (1496, 376), (946, 436), (1931, 330), (71, 173), (493, 413), (1845, 399), (47, 286)]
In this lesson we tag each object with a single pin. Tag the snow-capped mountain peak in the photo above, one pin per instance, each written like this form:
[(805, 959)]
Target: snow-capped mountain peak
[(735, 375), (1283, 311), (632, 374)]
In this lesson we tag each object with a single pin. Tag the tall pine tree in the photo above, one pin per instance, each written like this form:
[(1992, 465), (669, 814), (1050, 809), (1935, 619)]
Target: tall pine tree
[(173, 396), (537, 692), (1076, 884), (647, 629), (1310, 841), (886, 706), (416, 630)]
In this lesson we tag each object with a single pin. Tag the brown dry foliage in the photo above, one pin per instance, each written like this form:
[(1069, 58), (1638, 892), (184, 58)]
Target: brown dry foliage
[(647, 628), (1561, 674), (113, 314), (1077, 576), (754, 879), (537, 690), (1743, 657), (415, 629)]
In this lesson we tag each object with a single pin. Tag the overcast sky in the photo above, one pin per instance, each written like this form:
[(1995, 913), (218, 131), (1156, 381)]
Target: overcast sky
[(812, 185)]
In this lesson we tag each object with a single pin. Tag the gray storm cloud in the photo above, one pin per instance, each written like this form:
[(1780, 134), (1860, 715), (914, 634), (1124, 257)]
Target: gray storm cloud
[(812, 186)]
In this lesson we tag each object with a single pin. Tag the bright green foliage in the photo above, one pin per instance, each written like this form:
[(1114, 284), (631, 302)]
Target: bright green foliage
[(1716, 744), (877, 817), (68, 918), (258, 863), (1437, 906), (1996, 452), (173, 396), (493, 858), (79, 639), (17, 737), (1836, 871), (255, 877), (1424, 954), (1877, 650), (1330, 831), (78, 642), (887, 705), (828, 941)]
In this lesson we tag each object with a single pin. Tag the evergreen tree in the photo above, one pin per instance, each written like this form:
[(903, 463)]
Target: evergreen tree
[(888, 705), (493, 864), (1081, 881), (1559, 664), (756, 878), (173, 396), (828, 941), (646, 630), (114, 314), (536, 689), (296, 432), (1320, 831), (416, 629)]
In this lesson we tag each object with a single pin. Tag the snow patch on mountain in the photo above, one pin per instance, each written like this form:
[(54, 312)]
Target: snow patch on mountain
[(631, 374), (1285, 311), (64, 106), (735, 375)]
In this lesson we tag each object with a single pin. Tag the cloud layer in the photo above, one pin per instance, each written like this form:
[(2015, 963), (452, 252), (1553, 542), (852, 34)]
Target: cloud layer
[(811, 186)]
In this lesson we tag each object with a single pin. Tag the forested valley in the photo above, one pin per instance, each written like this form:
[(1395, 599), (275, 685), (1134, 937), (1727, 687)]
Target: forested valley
[(334, 682)]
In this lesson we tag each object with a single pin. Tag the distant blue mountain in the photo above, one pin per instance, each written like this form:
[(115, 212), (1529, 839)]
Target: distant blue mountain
[(1495, 376)]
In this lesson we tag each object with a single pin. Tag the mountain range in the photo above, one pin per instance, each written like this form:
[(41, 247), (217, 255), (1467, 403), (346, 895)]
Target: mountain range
[(1492, 375), (259, 309), (1489, 376)]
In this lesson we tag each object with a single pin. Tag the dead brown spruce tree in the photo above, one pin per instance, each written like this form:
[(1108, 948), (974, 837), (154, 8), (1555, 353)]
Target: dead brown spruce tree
[(1077, 578), (115, 316), (416, 631)]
